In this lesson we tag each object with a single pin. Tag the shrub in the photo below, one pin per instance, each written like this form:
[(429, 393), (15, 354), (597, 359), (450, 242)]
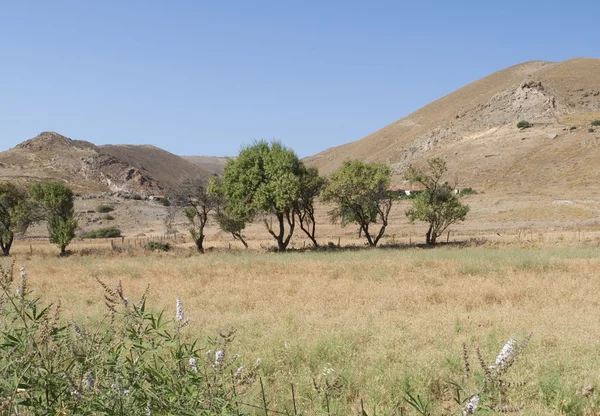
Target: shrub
[(108, 232), (591, 130), (596, 123), (108, 217), (468, 191), (102, 209), (572, 127), (523, 124), (134, 362), (164, 201), (135, 197), (158, 246)]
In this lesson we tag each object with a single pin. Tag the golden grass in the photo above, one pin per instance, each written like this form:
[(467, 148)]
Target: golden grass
[(383, 319)]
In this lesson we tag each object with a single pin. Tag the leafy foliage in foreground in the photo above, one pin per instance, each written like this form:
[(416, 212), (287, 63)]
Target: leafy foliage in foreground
[(132, 362)]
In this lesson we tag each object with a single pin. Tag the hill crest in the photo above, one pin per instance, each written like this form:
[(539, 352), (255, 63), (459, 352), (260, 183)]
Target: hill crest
[(474, 128)]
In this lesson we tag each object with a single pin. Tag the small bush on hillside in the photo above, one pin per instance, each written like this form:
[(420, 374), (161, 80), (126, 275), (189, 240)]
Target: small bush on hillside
[(591, 130), (573, 128), (467, 191), (135, 197), (523, 124), (108, 232), (108, 217), (158, 246), (596, 123), (164, 201), (102, 209)]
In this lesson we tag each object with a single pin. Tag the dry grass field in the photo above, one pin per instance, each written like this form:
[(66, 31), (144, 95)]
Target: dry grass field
[(385, 321)]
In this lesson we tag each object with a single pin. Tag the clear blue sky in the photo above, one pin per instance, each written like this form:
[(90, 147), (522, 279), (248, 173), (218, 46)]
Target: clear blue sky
[(204, 78)]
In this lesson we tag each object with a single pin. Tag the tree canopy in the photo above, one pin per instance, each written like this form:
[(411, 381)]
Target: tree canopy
[(56, 201), (360, 192), (16, 214), (265, 179), (438, 204)]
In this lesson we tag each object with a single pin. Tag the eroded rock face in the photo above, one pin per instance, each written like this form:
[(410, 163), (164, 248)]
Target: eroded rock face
[(57, 157), (525, 101)]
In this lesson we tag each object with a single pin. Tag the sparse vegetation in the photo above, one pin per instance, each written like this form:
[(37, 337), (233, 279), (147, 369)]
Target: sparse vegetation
[(573, 128), (523, 124), (596, 123), (108, 217), (103, 209), (107, 232), (591, 130)]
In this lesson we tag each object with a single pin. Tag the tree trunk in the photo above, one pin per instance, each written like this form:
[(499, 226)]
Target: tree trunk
[(368, 235), (63, 251), (238, 236), (6, 245), (199, 244), (428, 240)]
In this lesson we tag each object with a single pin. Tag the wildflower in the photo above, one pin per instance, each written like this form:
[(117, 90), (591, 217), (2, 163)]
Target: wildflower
[(235, 357), (179, 310), (23, 286), (194, 364), (89, 380), (77, 331), (258, 361), (239, 372), (148, 411), (471, 407), (506, 355), (219, 355)]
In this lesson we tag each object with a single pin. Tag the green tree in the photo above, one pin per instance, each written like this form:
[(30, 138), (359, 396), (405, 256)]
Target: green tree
[(56, 201), (265, 179), (438, 204), (192, 197), (360, 192), (311, 185), (16, 214), (225, 219)]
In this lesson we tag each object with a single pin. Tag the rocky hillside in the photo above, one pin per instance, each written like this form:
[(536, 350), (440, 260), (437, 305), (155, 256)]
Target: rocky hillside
[(475, 129), (88, 169)]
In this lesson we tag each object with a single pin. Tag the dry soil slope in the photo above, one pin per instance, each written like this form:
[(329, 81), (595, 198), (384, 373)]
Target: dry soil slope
[(212, 164), (165, 167), (475, 129), (82, 165)]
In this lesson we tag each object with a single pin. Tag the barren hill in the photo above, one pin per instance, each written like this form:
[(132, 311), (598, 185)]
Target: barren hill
[(166, 168), (87, 168), (475, 129), (213, 164)]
